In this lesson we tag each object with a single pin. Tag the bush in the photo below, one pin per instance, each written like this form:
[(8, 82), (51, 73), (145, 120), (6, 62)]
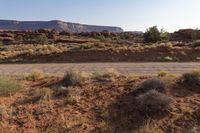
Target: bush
[(72, 78), (192, 78), (196, 34), (164, 36), (152, 103), (36, 75), (42, 94), (8, 86), (71, 94), (152, 35), (41, 39), (153, 84), (168, 58), (162, 74)]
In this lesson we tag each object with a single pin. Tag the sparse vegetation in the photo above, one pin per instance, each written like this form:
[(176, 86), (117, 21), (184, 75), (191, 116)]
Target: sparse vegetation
[(8, 86), (192, 78), (152, 84), (72, 78), (153, 102), (196, 34), (106, 102), (46, 102), (164, 35), (162, 74), (42, 94), (36, 75)]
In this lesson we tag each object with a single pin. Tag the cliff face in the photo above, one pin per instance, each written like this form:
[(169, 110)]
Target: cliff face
[(56, 24)]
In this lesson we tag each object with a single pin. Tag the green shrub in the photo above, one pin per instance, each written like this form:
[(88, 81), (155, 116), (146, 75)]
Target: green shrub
[(196, 34), (152, 84), (152, 103), (164, 36), (152, 35), (8, 86), (41, 39), (72, 78), (192, 78), (162, 74)]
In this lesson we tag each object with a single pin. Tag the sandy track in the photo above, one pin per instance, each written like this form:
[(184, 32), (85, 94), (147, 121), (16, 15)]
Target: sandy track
[(125, 68)]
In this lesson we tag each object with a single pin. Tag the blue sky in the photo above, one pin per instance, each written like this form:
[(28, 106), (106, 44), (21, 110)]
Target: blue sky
[(128, 14)]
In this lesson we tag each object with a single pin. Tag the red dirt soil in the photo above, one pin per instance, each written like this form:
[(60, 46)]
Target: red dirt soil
[(98, 107), (157, 54)]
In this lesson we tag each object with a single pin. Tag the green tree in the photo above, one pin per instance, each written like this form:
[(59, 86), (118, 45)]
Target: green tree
[(152, 35)]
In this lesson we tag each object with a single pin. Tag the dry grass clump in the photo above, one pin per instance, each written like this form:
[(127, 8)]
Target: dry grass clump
[(192, 78), (109, 76), (153, 102), (72, 78), (148, 127), (162, 74), (112, 72), (8, 86), (36, 75), (70, 94), (42, 94), (152, 84)]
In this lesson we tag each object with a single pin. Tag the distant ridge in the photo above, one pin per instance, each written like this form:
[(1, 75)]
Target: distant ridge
[(55, 24)]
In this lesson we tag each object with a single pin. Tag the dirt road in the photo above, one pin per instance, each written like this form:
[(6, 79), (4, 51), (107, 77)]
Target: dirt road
[(125, 68)]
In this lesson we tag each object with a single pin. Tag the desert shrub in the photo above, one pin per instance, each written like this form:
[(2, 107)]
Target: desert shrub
[(164, 36), (36, 38), (127, 35), (152, 103), (85, 47), (35, 75), (152, 84), (192, 78), (19, 38), (152, 35), (168, 58), (112, 72), (196, 34), (41, 94), (110, 75), (41, 39), (162, 74), (70, 94), (148, 127), (30, 52), (8, 86), (72, 78)]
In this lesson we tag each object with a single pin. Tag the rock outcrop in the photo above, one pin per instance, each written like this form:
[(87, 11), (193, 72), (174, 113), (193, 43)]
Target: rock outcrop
[(56, 25)]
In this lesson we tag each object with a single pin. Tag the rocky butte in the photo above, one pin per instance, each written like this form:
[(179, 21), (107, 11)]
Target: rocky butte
[(56, 25)]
